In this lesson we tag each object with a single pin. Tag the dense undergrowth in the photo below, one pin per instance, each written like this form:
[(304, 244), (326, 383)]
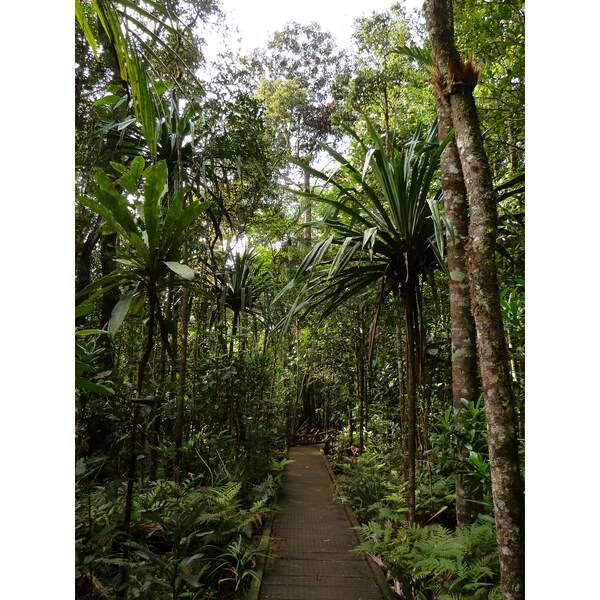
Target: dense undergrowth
[(431, 559), (197, 539)]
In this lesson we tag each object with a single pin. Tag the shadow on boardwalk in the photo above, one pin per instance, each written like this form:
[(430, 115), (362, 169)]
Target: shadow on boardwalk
[(312, 540)]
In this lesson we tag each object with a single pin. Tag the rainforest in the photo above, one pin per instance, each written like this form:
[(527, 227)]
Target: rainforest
[(303, 248)]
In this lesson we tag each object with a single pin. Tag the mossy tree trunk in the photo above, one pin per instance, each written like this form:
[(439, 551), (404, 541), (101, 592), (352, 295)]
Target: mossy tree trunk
[(409, 297), (464, 353), (457, 80)]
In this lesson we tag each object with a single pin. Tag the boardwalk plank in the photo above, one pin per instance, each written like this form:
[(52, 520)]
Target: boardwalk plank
[(313, 540)]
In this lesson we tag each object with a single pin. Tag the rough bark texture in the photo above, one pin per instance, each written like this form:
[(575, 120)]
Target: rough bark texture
[(507, 486), (464, 353)]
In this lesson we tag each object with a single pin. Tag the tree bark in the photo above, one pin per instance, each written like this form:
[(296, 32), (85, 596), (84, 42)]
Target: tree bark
[(178, 466), (401, 394), (457, 80), (185, 299), (307, 234), (410, 312), (464, 353), (133, 451), (360, 376)]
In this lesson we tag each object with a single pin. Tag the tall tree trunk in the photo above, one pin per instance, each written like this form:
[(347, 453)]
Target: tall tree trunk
[(507, 485), (401, 394), (133, 451), (360, 377), (350, 421), (410, 314), (308, 213), (464, 353), (178, 466), (185, 299)]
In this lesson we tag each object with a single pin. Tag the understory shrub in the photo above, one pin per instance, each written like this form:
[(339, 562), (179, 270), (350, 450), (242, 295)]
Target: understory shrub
[(187, 541), (433, 562)]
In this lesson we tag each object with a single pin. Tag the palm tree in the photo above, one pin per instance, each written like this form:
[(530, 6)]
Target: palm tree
[(238, 285), (388, 232)]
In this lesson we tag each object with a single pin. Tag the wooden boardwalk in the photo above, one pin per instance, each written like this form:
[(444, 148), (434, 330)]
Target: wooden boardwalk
[(312, 540)]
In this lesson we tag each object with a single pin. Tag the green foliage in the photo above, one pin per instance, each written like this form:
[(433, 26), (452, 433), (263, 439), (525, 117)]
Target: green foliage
[(495, 33), (461, 441), (87, 354), (459, 564), (150, 248), (384, 82), (383, 228), (190, 541), (234, 563)]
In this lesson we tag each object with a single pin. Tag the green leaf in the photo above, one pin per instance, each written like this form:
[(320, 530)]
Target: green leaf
[(128, 182), (83, 309), (120, 311), (112, 99), (155, 188), (80, 467), (137, 167), (421, 55), (111, 488), (369, 237), (119, 167), (95, 388), (181, 270), (86, 332), (109, 197), (126, 262), (85, 26)]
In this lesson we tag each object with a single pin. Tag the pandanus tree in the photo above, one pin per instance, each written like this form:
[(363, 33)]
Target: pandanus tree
[(385, 224), (237, 286), (151, 239)]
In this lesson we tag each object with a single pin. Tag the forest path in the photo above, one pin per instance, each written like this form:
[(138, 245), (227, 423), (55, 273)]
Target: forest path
[(312, 540)]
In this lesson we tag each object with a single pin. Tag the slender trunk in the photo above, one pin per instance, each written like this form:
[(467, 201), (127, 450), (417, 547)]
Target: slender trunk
[(401, 394), (507, 485), (298, 382), (350, 422), (162, 373), (84, 256), (464, 354), (185, 298), (360, 379), (198, 317), (178, 466), (308, 212), (409, 298), (386, 116), (271, 388), (124, 571), (234, 327), (368, 392)]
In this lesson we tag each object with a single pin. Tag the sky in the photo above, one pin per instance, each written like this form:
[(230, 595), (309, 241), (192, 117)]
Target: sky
[(257, 19)]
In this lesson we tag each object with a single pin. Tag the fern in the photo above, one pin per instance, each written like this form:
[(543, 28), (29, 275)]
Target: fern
[(224, 496)]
